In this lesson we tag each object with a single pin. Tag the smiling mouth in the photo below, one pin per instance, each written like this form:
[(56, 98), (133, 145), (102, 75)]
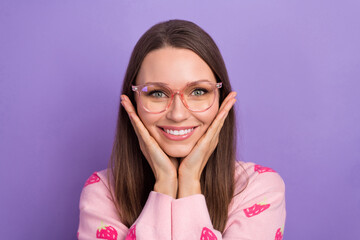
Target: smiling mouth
[(178, 132)]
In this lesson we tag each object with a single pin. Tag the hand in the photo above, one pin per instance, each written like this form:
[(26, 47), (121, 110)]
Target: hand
[(163, 167), (192, 165)]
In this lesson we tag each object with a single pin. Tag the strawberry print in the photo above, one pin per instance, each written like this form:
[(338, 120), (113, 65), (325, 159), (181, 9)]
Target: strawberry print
[(94, 178), (207, 234), (261, 169), (106, 232), (131, 234), (279, 234), (256, 209)]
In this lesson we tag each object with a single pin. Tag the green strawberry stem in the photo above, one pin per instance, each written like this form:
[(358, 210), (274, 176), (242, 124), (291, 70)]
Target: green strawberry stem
[(262, 202), (102, 226)]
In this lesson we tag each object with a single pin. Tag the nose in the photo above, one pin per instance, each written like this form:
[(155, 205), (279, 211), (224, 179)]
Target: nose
[(177, 111)]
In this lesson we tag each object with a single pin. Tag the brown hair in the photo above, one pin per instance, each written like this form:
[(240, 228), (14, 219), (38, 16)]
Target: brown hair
[(131, 174)]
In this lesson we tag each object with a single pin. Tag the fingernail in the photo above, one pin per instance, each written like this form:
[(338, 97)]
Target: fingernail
[(122, 98), (234, 94), (234, 101)]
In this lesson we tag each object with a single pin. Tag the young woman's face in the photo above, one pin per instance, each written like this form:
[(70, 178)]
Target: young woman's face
[(176, 67)]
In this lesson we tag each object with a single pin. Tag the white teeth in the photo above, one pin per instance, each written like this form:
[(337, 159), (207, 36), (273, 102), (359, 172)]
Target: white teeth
[(177, 133)]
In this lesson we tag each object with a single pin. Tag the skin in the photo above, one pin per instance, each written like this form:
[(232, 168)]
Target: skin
[(177, 165)]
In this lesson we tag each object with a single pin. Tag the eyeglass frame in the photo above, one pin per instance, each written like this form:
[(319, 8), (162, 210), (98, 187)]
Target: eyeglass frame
[(137, 88)]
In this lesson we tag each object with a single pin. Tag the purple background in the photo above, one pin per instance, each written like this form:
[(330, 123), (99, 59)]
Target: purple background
[(294, 64)]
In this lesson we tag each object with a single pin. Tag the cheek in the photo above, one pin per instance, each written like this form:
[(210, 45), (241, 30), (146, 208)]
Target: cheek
[(208, 116), (144, 117), (213, 111), (142, 114), (147, 119)]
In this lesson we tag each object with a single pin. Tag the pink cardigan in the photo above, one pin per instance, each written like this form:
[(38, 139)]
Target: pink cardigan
[(257, 213)]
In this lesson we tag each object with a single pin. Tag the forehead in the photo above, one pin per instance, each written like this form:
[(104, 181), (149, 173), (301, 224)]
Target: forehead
[(175, 67)]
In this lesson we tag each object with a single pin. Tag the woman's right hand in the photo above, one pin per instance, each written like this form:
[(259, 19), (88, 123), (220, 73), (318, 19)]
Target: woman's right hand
[(163, 167)]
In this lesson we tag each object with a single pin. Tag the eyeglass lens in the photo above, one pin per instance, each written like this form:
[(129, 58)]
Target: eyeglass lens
[(198, 97)]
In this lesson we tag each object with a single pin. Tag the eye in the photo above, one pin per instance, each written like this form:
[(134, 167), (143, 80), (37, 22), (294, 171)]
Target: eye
[(157, 94), (199, 92)]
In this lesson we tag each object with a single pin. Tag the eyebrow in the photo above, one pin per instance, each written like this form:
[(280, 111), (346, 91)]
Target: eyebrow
[(161, 83)]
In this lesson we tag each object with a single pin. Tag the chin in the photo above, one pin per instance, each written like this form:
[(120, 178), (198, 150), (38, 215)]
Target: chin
[(177, 152)]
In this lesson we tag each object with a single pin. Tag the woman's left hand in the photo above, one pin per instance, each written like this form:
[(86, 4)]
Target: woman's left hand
[(192, 165)]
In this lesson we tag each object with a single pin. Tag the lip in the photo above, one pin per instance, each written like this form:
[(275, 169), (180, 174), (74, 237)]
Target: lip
[(174, 137), (177, 128)]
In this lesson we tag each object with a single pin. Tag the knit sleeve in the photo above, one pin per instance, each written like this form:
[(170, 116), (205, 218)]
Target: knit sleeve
[(257, 213), (191, 219), (99, 218)]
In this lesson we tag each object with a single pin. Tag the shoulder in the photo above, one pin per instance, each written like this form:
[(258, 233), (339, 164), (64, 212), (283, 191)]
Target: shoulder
[(97, 193), (254, 181), (96, 181), (258, 202), (98, 213), (258, 176)]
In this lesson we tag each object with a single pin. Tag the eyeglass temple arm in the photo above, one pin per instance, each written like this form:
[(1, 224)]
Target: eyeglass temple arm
[(134, 88), (218, 85)]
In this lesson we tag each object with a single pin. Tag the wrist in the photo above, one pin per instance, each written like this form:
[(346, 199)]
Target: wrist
[(168, 187), (188, 187)]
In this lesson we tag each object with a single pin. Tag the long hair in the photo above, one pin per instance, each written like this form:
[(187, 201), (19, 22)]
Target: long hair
[(130, 172)]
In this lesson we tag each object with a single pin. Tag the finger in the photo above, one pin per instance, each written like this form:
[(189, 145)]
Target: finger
[(210, 138), (159, 162), (139, 127), (226, 108), (230, 96), (129, 108), (140, 130), (220, 118), (207, 143), (214, 129), (227, 104)]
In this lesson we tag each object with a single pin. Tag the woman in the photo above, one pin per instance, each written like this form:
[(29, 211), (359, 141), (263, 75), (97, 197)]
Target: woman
[(173, 172)]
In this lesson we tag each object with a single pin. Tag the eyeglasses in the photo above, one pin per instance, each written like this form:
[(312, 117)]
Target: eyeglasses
[(197, 96)]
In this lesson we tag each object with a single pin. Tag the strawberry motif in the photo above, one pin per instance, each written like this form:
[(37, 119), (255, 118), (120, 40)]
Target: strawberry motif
[(131, 234), (256, 209), (94, 178), (261, 169), (279, 234), (207, 234), (106, 232)]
